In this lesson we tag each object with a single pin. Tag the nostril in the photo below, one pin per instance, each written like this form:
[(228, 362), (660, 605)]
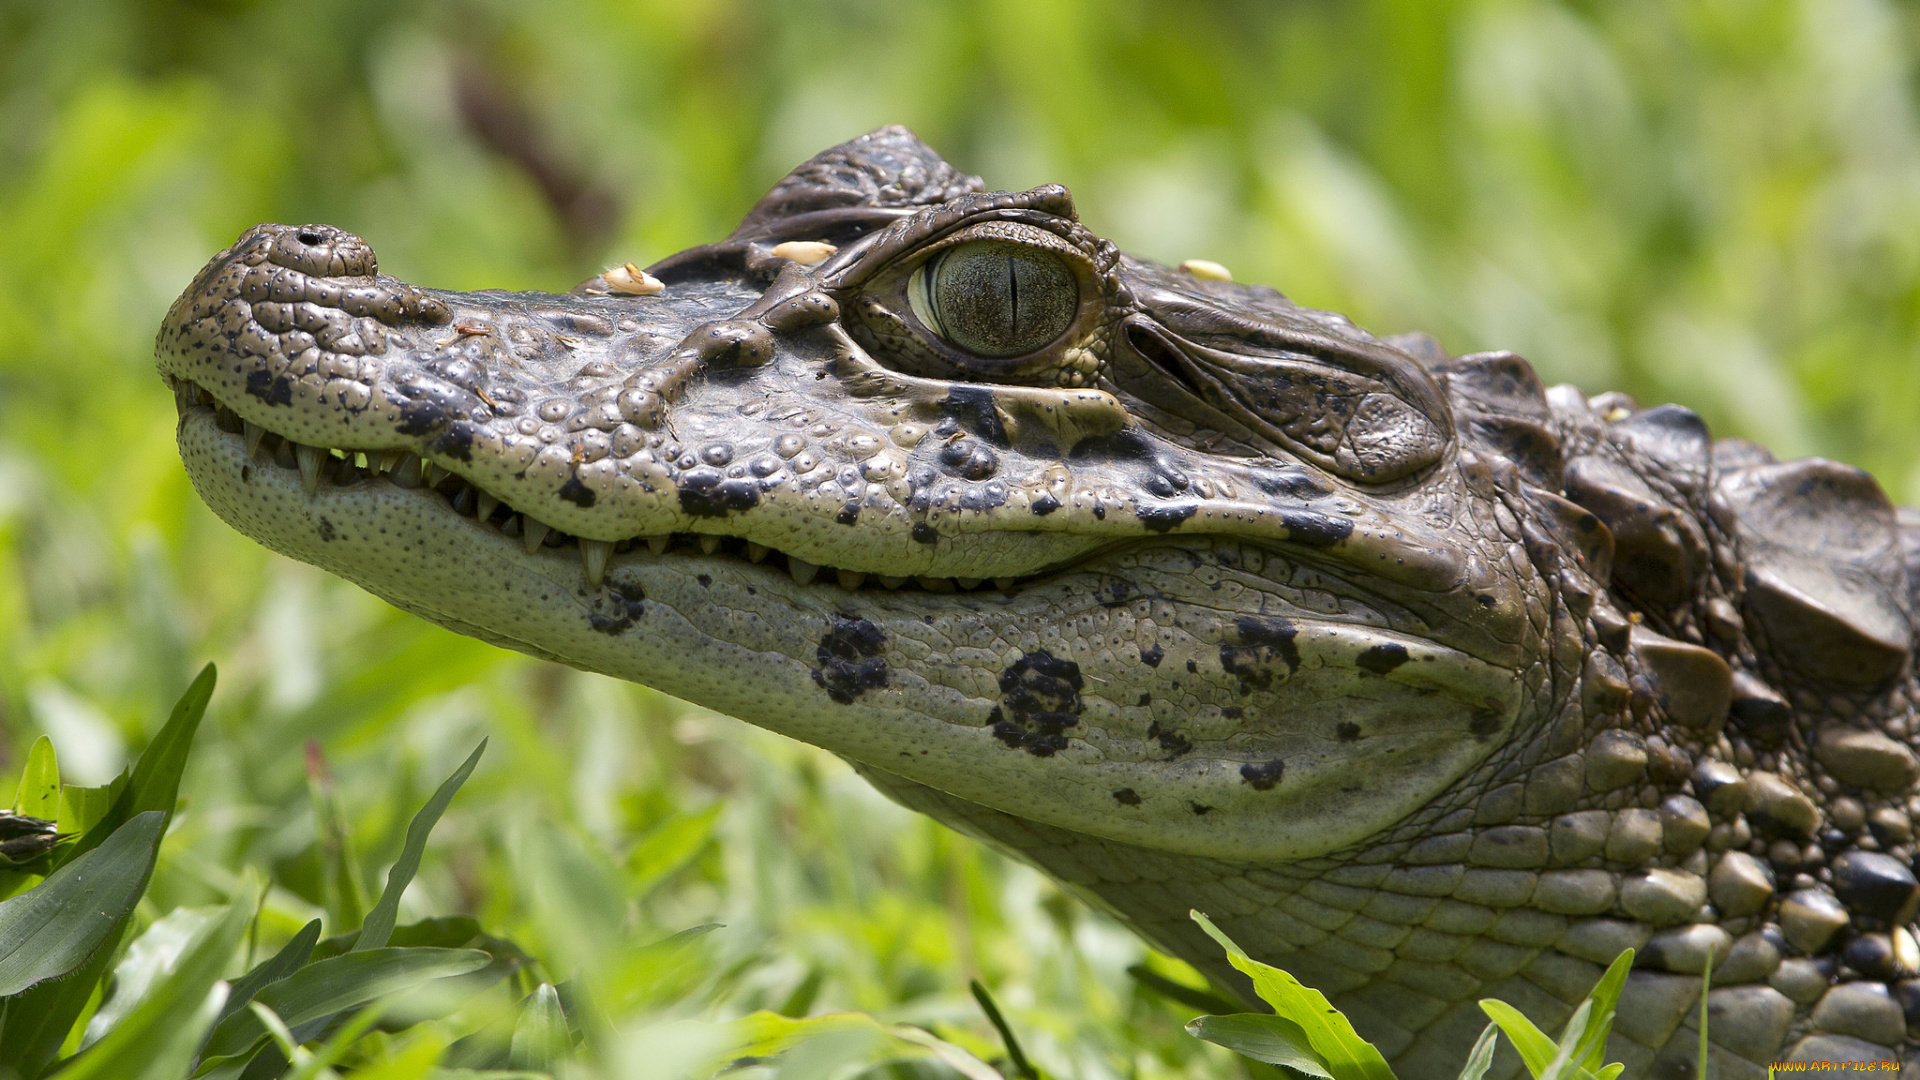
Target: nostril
[(309, 238)]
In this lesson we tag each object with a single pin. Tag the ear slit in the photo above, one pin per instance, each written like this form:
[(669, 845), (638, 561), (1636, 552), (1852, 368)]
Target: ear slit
[(1156, 351)]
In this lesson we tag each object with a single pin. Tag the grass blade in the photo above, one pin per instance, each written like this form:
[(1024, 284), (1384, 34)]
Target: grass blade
[(39, 792), (1605, 998), (1272, 1039), (1346, 1054), (541, 1039), (1706, 983), (1480, 1058), (53, 929), (158, 1039), (379, 923), (154, 783), (321, 990), (291, 958), (1564, 1061), (1536, 1050), (1015, 1056)]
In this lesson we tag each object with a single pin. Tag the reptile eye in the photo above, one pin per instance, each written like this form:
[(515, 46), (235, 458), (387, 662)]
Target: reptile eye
[(995, 298)]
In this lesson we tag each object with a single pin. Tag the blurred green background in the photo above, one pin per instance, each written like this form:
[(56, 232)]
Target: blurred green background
[(1709, 201)]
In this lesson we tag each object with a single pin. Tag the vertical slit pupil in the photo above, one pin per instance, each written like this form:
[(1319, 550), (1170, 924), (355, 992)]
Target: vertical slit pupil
[(1013, 298)]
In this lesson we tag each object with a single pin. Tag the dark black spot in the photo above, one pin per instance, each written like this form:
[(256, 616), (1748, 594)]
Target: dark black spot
[(1193, 667), (1041, 694), (1485, 599), (577, 493), (1348, 731), (705, 580), (326, 529), (850, 658), (1291, 483), (1044, 505), (1174, 743), (1263, 640), (1200, 808), (262, 384), (617, 607), (246, 474), (311, 239), (422, 415), (848, 514), (705, 492), (972, 408), (1484, 723), (1381, 659), (1114, 594), (1315, 530), (1263, 776), (1163, 518), (1232, 712), (1152, 655), (1126, 796), (457, 443), (924, 533), (1145, 700), (1099, 512), (1127, 444)]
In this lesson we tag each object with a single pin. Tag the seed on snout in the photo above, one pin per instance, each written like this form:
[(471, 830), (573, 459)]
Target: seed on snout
[(632, 281), (804, 252)]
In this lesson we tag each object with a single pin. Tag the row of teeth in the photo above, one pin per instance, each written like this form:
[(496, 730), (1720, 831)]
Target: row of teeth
[(402, 469)]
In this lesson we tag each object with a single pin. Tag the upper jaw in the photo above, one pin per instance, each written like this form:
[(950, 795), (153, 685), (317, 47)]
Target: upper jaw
[(717, 407)]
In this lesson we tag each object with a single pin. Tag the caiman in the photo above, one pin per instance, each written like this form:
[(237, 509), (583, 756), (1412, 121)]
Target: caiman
[(1427, 682)]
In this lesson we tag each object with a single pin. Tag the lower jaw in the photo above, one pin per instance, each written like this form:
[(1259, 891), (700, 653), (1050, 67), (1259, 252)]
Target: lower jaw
[(318, 468)]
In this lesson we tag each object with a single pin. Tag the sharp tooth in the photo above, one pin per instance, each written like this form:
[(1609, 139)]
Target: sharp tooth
[(850, 579), (709, 543), (1004, 584), (890, 582), (390, 460), (183, 396), (534, 533), (659, 544), (485, 506), (967, 583), (435, 474), (802, 570), (757, 552), (254, 433), (936, 584), (593, 556), (511, 526), (407, 473), (309, 458)]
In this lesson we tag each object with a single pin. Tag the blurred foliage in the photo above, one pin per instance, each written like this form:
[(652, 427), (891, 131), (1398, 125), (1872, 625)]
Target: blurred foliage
[(1714, 201)]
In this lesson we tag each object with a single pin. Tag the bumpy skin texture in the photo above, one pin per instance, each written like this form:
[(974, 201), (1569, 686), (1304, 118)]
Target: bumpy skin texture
[(1427, 683)]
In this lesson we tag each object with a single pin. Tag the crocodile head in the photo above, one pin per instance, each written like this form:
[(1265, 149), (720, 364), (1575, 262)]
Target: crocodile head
[(1190, 595), (929, 476)]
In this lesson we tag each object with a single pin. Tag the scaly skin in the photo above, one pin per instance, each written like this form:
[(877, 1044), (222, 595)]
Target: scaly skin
[(1427, 683)]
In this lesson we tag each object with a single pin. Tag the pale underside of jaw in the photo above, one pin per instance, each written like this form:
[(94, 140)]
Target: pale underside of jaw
[(1267, 772)]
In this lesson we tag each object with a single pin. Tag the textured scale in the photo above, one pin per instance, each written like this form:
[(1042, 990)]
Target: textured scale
[(1427, 682)]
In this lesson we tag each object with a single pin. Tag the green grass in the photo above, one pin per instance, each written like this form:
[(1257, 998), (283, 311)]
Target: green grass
[(443, 997), (1699, 200)]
